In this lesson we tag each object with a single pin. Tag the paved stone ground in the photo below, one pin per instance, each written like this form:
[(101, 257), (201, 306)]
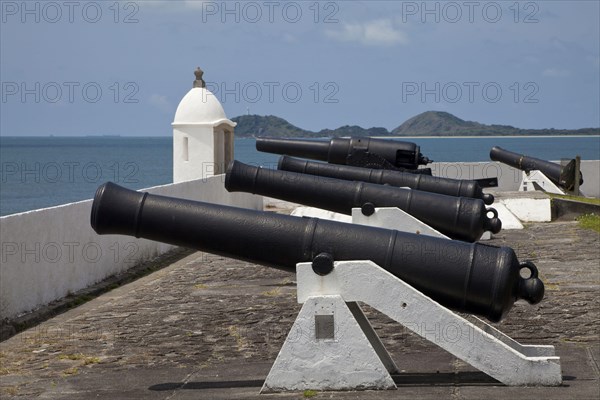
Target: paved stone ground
[(208, 327)]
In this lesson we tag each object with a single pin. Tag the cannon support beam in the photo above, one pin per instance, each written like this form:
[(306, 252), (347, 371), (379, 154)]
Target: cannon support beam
[(352, 356)]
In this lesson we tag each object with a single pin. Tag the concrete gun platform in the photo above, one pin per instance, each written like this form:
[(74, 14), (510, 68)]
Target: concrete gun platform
[(208, 327)]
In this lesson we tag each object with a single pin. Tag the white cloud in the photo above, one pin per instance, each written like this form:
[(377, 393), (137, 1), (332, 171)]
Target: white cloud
[(380, 32), (555, 73), (161, 103)]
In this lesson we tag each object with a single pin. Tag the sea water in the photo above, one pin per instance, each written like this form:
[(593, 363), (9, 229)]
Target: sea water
[(39, 172)]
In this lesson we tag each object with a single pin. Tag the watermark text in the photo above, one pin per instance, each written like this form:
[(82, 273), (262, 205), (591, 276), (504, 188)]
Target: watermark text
[(253, 12), (53, 12), (471, 92), (68, 172), (69, 92), (288, 92), (68, 252), (453, 12)]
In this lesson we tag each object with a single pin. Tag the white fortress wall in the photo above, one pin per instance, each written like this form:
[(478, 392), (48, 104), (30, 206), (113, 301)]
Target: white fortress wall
[(48, 253)]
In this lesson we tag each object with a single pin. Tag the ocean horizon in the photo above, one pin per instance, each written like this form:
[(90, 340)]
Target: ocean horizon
[(44, 171)]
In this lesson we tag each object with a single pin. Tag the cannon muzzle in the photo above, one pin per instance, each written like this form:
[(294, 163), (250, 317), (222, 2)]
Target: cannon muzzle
[(426, 183), (468, 277), (352, 151), (460, 218), (563, 176)]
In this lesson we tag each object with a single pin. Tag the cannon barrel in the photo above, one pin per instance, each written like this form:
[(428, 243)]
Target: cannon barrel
[(563, 176), (426, 183), (399, 154), (468, 277), (457, 217)]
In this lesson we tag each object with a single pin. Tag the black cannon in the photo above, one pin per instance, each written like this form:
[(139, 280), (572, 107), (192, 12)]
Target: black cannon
[(563, 176), (426, 183), (360, 152), (473, 278), (460, 218)]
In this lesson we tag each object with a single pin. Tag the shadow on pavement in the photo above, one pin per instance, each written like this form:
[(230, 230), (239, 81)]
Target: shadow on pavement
[(408, 379), (206, 385), (444, 379)]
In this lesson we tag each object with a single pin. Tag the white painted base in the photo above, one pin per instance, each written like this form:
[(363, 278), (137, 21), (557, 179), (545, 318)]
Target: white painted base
[(475, 342), (509, 221), (536, 179), (327, 349), (529, 210), (313, 212), (332, 346), (487, 235), (394, 218), (354, 357)]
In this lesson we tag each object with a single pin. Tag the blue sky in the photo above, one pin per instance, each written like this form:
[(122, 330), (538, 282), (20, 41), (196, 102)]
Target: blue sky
[(81, 68)]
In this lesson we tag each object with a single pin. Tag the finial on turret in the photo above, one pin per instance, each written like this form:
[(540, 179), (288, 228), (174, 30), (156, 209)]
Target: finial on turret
[(199, 82)]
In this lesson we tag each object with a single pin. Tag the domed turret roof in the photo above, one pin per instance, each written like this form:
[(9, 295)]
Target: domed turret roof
[(200, 107)]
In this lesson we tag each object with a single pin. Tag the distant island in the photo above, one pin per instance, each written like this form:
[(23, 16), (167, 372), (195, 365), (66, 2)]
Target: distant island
[(430, 123)]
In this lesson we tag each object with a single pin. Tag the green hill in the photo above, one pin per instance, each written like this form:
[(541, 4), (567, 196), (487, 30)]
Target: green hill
[(430, 123), (269, 125), (354, 130), (436, 122), (439, 123)]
